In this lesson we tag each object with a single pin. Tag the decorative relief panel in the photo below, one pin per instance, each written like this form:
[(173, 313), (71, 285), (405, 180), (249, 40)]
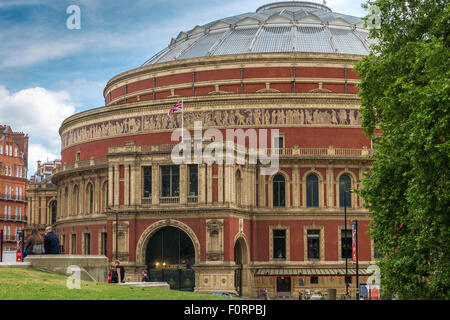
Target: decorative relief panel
[(123, 240), (217, 118), (214, 240)]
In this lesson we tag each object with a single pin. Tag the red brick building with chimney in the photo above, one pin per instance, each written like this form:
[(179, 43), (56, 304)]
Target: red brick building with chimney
[(13, 182)]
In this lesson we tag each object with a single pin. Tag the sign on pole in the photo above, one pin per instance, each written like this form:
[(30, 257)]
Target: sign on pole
[(19, 239), (354, 239)]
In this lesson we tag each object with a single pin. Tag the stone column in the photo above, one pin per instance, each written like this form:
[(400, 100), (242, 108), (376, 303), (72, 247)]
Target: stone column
[(126, 184), (229, 183), (110, 186), (262, 190), (116, 185), (220, 183), (251, 174), (97, 195), (155, 183), (296, 186), (201, 183), (134, 187), (209, 183), (330, 187), (184, 181), (82, 197)]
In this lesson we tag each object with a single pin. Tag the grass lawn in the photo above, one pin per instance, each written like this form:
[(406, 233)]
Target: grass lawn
[(31, 284)]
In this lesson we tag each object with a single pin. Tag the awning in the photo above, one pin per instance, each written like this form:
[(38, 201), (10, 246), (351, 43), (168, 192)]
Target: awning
[(289, 272)]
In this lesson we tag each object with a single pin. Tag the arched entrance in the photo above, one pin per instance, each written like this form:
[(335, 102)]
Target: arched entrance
[(241, 260), (238, 271), (169, 257)]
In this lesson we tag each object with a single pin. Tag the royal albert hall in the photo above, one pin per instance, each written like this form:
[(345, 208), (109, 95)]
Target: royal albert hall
[(226, 226)]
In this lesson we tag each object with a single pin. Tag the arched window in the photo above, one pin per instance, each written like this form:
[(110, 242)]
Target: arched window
[(104, 196), (53, 209), (279, 191), (312, 190), (90, 198), (76, 200), (66, 203), (345, 184)]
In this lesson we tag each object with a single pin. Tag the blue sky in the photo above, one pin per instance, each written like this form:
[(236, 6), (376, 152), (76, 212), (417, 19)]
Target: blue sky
[(48, 72)]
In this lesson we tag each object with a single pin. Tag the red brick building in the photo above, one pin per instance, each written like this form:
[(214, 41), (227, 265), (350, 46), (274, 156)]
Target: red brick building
[(13, 182), (220, 226)]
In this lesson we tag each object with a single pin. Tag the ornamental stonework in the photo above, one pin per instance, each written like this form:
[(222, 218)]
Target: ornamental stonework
[(212, 119)]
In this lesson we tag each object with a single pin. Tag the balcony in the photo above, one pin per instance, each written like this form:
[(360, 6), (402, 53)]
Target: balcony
[(8, 197), (192, 199), (331, 151), (80, 164), (14, 219)]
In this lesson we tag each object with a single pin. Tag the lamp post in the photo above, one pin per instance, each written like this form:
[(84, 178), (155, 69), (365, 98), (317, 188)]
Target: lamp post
[(345, 231), (117, 231)]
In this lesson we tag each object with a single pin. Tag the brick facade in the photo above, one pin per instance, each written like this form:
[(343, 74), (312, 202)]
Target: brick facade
[(13, 182)]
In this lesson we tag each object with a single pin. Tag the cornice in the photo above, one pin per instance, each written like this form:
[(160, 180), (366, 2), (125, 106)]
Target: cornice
[(242, 60)]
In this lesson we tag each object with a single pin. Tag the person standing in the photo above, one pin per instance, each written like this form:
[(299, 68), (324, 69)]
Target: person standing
[(34, 244), (118, 275), (145, 277), (51, 241)]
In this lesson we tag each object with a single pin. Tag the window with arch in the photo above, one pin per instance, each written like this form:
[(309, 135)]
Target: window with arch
[(90, 198), (66, 201), (312, 190), (53, 211), (279, 191), (105, 195), (76, 200), (345, 184)]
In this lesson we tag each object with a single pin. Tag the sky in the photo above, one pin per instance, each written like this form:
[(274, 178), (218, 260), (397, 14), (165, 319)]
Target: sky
[(49, 71)]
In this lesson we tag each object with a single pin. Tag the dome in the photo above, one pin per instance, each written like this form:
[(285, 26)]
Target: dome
[(293, 26)]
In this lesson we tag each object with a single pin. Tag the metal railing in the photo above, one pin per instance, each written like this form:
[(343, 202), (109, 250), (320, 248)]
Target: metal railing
[(10, 197), (13, 219)]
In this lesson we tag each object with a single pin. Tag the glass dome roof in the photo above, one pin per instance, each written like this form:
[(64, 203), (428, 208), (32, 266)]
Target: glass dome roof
[(291, 26)]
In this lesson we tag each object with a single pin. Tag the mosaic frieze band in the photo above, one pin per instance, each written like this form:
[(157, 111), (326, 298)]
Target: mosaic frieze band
[(210, 119)]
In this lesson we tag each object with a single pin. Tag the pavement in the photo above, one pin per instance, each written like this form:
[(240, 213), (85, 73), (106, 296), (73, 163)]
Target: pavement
[(15, 265)]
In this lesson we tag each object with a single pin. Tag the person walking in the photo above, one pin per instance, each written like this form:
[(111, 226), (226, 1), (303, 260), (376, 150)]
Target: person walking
[(51, 241), (34, 244)]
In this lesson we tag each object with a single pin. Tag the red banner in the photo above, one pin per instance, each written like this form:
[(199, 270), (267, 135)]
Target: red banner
[(354, 239)]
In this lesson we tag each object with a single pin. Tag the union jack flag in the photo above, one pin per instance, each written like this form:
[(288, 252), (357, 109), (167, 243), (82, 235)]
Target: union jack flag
[(176, 107)]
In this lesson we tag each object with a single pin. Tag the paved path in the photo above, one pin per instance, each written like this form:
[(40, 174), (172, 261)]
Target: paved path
[(15, 265)]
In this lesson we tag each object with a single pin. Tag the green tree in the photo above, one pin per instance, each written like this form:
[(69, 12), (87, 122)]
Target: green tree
[(405, 97)]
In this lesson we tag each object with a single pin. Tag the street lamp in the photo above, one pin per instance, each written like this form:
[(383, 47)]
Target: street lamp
[(117, 231), (345, 232)]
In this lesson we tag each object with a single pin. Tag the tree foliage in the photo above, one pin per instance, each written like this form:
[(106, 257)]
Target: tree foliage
[(405, 96)]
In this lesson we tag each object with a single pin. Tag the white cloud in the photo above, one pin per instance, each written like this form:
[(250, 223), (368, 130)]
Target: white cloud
[(39, 113), (85, 93)]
